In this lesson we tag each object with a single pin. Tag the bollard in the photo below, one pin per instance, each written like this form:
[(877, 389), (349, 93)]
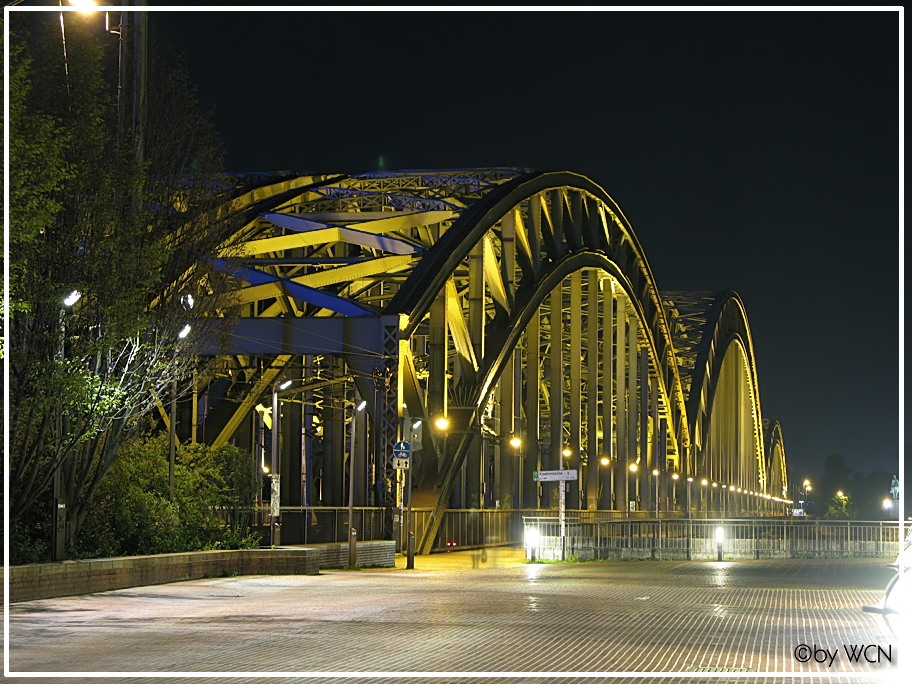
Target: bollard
[(410, 558), (352, 539)]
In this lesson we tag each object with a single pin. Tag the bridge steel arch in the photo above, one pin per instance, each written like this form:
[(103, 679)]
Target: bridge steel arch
[(516, 303)]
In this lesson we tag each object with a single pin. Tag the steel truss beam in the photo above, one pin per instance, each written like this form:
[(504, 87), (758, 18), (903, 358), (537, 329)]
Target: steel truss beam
[(516, 303)]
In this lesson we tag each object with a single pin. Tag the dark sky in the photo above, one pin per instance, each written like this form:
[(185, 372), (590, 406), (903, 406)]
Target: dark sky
[(751, 151)]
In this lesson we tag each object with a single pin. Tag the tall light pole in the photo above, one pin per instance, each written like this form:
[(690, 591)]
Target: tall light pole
[(58, 531), (655, 474), (409, 535), (631, 469), (352, 560)]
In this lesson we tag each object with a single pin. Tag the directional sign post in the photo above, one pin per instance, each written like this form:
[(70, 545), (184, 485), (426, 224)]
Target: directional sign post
[(402, 461), (561, 477)]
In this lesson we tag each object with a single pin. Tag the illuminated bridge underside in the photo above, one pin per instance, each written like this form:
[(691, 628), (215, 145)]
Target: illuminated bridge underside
[(516, 303)]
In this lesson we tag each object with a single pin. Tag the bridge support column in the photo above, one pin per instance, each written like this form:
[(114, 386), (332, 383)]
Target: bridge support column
[(531, 449), (608, 474), (557, 388), (507, 453), (632, 436), (622, 469), (576, 389), (592, 387)]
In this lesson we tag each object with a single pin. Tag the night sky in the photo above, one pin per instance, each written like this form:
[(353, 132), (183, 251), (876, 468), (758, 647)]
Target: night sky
[(751, 151)]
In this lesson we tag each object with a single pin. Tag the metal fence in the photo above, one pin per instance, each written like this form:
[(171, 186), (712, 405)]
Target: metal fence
[(703, 539), (595, 534)]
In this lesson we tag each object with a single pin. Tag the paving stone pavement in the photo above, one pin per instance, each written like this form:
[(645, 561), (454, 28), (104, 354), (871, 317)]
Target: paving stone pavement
[(476, 621)]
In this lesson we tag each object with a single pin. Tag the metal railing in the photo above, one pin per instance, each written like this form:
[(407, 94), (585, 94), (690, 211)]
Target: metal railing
[(596, 534), (595, 538)]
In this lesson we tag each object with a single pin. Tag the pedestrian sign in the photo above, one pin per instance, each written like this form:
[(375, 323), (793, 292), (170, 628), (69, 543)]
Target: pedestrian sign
[(401, 450)]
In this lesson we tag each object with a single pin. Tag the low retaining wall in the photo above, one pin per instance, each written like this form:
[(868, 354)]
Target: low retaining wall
[(66, 578), (369, 554)]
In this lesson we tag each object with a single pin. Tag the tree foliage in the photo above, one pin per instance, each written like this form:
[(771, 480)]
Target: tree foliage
[(121, 214), (132, 513)]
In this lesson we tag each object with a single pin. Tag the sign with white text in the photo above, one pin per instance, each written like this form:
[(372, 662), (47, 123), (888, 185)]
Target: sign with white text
[(553, 475)]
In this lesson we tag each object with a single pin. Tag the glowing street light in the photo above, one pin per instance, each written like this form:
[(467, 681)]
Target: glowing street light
[(515, 442), (85, 6), (72, 298), (442, 423)]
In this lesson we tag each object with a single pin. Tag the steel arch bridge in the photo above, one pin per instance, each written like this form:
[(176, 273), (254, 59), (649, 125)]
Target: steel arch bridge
[(516, 304)]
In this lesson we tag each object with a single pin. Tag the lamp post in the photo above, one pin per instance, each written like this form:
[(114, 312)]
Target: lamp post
[(655, 474), (58, 531), (409, 535), (352, 561), (275, 499)]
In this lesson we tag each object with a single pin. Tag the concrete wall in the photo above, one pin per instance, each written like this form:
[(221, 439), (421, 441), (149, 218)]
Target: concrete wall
[(67, 578)]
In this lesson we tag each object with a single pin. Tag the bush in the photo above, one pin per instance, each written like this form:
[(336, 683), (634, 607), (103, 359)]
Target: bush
[(132, 513)]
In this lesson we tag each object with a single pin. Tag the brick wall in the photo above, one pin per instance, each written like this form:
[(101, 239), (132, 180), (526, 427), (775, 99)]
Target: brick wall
[(66, 578), (368, 554)]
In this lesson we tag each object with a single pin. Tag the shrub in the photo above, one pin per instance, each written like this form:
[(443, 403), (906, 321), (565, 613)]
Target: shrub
[(132, 513)]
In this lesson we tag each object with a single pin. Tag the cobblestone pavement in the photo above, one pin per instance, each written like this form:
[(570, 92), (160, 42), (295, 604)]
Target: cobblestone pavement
[(724, 622)]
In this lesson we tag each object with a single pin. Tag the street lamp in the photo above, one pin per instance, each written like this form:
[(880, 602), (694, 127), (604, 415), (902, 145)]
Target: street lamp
[(409, 536), (655, 474), (632, 468), (59, 511), (806, 486), (352, 562)]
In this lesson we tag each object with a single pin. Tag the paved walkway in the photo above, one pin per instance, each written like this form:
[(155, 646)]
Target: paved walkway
[(500, 616)]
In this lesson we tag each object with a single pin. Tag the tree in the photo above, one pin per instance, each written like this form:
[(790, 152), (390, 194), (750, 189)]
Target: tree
[(840, 507), (120, 214)]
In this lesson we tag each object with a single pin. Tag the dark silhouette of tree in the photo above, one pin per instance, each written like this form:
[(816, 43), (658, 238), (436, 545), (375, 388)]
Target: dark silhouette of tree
[(120, 214)]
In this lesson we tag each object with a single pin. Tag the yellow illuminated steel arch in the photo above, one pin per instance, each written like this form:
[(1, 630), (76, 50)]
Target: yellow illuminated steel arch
[(516, 302)]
